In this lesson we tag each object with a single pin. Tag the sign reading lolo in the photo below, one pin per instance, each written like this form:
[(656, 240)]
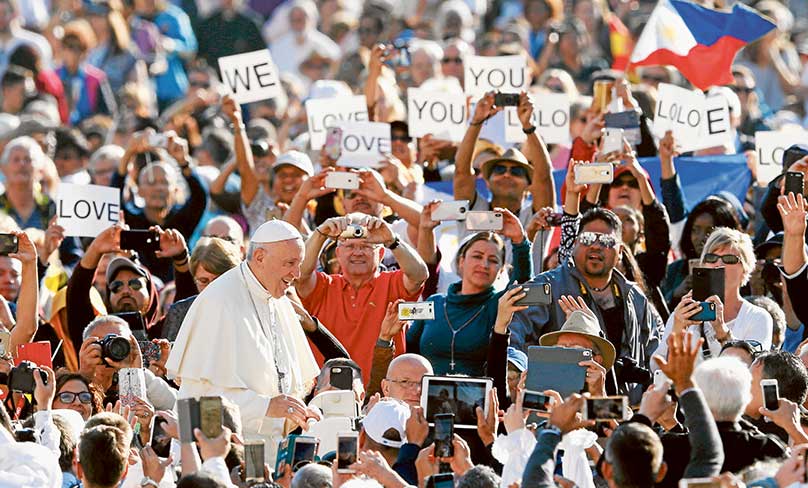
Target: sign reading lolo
[(438, 113), (506, 74), (364, 144), (697, 121), (86, 210), (326, 112), (250, 77), (551, 117), (769, 147)]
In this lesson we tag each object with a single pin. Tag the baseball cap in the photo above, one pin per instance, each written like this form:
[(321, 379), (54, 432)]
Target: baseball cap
[(386, 422), (297, 159), (517, 358), (774, 241), (121, 263)]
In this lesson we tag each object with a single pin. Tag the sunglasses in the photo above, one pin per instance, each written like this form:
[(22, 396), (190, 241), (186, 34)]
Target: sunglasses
[(726, 258), (517, 171), (199, 84), (629, 182), (134, 284), (452, 60), (84, 397), (590, 238), (401, 138)]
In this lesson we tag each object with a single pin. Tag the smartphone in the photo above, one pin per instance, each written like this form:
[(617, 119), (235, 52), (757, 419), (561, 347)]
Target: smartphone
[(136, 324), (140, 240), (506, 99), (661, 381), (771, 394), (699, 483), (481, 221), (693, 264), (254, 461), (554, 219), (347, 448), (606, 408), (304, 450), (444, 434), (343, 180), (210, 416), (341, 378), (158, 140), (594, 173), (535, 294), (441, 480), (794, 183), (535, 401), (5, 342), (416, 311), (708, 282), (188, 418), (454, 210), (150, 351), (333, 143), (706, 314), (398, 54), (160, 441), (612, 140), (9, 244), (131, 385)]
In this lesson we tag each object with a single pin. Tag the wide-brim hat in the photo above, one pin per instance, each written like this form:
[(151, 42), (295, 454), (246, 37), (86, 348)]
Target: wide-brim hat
[(585, 325), (512, 155)]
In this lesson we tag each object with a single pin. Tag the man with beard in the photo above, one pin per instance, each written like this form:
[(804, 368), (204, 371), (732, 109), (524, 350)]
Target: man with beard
[(625, 315)]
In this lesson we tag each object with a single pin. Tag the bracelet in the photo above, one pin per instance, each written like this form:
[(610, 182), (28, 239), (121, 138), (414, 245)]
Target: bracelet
[(393, 245), (385, 344), (322, 233), (529, 130), (477, 124), (181, 258)]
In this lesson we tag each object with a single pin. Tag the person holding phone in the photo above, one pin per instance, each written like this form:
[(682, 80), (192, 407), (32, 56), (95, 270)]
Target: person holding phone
[(736, 318)]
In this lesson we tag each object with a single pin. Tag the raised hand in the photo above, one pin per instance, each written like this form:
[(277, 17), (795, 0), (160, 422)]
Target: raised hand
[(485, 109), (571, 304), (681, 359), (511, 226), (26, 250), (391, 325), (525, 110), (172, 242), (506, 308), (792, 211)]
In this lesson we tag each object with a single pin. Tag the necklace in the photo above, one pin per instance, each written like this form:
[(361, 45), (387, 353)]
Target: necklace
[(456, 331), (596, 289), (274, 337)]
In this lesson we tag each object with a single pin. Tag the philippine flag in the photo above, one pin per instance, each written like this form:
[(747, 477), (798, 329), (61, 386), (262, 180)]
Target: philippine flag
[(700, 42)]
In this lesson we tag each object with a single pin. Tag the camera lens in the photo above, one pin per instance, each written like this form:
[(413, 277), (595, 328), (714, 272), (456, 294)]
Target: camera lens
[(117, 348), (358, 231)]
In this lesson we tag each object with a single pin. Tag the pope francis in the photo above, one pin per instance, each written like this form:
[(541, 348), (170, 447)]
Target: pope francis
[(242, 339)]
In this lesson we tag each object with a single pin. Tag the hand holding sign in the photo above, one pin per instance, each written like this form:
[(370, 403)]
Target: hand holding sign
[(250, 76), (231, 109), (86, 210)]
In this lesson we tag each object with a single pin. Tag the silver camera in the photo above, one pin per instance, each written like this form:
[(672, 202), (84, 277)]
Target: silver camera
[(354, 232)]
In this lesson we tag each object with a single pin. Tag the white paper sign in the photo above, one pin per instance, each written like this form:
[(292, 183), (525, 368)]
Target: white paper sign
[(364, 144), (770, 146), (86, 210), (250, 77), (507, 74), (323, 113), (551, 117), (438, 113), (697, 121)]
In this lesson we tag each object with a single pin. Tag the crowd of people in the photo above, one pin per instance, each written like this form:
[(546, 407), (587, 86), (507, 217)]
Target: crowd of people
[(268, 292)]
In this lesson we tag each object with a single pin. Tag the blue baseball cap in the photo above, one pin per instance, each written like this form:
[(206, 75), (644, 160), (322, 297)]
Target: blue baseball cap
[(517, 358)]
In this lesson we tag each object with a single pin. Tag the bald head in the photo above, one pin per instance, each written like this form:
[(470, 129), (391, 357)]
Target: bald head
[(403, 380), (225, 228)]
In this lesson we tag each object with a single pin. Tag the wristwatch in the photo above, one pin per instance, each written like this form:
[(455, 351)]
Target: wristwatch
[(146, 481), (394, 244), (382, 343), (529, 130)]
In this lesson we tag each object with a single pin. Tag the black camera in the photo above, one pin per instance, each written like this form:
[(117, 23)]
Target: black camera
[(628, 371), (21, 378), (114, 347)]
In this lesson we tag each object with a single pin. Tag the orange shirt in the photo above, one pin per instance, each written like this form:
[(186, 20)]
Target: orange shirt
[(355, 316)]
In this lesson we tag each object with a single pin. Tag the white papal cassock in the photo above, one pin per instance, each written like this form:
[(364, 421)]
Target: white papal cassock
[(240, 342)]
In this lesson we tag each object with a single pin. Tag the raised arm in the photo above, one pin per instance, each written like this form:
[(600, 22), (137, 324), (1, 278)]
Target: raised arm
[(372, 187), (28, 299), (464, 177), (377, 57), (414, 268), (426, 246), (793, 213), (331, 228), (312, 188), (542, 186), (244, 157)]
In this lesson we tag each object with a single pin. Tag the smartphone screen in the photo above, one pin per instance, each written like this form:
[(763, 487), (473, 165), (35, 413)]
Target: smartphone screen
[(8, 244), (535, 401), (254, 461), (770, 396), (210, 416), (444, 432), (346, 452), (608, 408), (304, 451), (160, 441)]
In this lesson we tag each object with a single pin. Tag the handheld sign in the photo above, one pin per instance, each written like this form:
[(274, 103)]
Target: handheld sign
[(506, 74), (86, 210), (250, 77), (770, 146), (323, 113), (438, 113), (551, 117), (697, 121), (364, 144)]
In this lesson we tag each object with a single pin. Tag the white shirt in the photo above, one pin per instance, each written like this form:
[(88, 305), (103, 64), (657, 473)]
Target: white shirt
[(752, 323)]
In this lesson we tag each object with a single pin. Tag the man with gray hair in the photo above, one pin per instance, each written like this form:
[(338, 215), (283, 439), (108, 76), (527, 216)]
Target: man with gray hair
[(104, 162), (226, 228), (312, 476)]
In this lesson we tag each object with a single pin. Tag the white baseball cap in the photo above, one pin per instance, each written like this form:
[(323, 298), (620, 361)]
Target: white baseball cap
[(387, 414), (297, 159)]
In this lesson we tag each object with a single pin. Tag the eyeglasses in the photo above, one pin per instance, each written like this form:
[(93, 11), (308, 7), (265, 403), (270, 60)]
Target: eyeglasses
[(725, 258), (590, 238), (753, 347), (516, 171), (457, 60), (363, 248), (84, 397), (134, 284), (406, 383), (742, 89), (630, 182)]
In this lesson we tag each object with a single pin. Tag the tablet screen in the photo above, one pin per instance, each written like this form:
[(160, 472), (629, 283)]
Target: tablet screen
[(459, 396)]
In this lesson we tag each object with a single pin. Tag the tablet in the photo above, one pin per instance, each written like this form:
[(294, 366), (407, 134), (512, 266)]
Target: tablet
[(458, 395), (556, 368)]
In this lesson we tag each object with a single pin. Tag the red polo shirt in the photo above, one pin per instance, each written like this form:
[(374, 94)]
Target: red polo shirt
[(355, 316)]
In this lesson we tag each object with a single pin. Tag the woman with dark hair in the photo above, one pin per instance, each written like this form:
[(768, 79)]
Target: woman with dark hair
[(46, 80), (75, 392), (459, 337), (707, 215), (115, 54)]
